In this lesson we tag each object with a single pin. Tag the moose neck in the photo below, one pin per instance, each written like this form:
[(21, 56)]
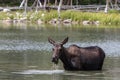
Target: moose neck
[(64, 58)]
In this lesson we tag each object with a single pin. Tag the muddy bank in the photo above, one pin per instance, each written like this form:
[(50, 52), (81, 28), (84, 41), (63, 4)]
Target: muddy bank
[(53, 21)]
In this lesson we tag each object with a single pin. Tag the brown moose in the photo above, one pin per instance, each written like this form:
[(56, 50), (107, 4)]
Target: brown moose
[(77, 58)]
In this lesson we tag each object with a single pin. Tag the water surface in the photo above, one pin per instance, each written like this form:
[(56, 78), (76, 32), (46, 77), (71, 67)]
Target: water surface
[(25, 53)]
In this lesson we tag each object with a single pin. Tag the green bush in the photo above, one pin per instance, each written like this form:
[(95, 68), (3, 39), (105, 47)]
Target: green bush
[(103, 18), (114, 11)]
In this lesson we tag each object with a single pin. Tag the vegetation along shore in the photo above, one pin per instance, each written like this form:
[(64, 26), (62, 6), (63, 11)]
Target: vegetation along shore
[(67, 17)]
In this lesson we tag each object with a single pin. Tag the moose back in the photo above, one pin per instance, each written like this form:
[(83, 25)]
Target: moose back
[(77, 58)]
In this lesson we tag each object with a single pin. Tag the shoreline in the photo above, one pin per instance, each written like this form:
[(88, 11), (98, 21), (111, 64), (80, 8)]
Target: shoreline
[(53, 21), (67, 17), (36, 25)]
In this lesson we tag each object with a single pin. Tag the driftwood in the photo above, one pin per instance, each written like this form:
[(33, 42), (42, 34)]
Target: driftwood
[(92, 8)]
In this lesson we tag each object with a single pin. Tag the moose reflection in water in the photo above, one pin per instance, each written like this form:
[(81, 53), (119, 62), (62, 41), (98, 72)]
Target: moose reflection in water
[(77, 58)]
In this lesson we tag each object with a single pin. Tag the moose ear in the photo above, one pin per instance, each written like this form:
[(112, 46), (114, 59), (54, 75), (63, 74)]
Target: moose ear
[(65, 41), (51, 41)]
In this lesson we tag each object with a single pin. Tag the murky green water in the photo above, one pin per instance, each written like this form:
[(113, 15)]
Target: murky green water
[(25, 53)]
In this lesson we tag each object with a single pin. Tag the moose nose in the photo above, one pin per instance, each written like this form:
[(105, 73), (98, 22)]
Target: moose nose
[(53, 59)]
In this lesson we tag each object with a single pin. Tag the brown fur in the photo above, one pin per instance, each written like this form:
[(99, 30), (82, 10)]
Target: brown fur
[(78, 58)]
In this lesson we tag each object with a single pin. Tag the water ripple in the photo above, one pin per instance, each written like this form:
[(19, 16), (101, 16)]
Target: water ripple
[(111, 48), (22, 45), (49, 72)]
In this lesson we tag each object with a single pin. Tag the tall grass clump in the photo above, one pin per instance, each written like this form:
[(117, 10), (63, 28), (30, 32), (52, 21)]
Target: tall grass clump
[(114, 11), (3, 15), (80, 16), (66, 14), (109, 18), (112, 17), (33, 16), (49, 16)]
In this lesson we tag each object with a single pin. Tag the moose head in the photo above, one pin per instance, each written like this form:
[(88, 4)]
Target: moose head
[(57, 50)]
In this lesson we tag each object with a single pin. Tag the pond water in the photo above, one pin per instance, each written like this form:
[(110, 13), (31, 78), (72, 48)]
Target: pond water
[(25, 53)]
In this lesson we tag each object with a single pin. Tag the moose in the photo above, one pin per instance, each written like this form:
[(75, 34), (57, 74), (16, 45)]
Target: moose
[(77, 58)]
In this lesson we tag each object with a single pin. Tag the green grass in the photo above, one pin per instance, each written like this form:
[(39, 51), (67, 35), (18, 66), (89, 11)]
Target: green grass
[(109, 18), (3, 15)]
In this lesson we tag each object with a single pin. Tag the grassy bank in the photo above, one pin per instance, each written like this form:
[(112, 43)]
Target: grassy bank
[(74, 16)]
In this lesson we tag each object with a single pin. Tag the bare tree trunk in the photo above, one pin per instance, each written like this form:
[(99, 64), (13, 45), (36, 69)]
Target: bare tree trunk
[(106, 7), (59, 8), (45, 2), (56, 2), (40, 3), (65, 1), (37, 3), (26, 7), (68, 2), (76, 2), (108, 4), (48, 1), (116, 4), (71, 3), (34, 3), (22, 3), (110, 1)]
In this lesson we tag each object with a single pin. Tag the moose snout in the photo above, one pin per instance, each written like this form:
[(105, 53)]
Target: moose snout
[(55, 60)]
